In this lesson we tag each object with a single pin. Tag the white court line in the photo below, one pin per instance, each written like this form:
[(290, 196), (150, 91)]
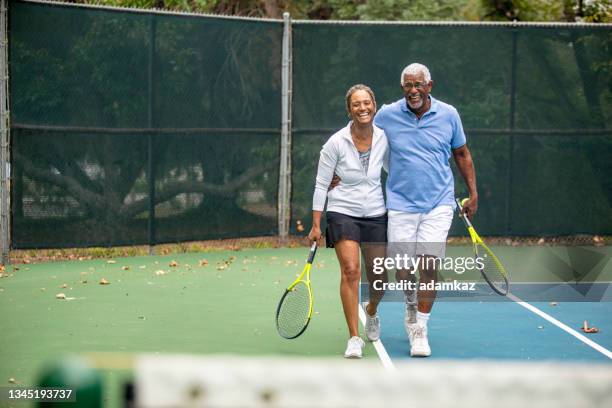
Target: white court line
[(562, 326), (380, 348)]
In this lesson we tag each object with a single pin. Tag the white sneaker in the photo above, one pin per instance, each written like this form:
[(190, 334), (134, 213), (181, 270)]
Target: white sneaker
[(372, 327), (354, 348), (410, 319), (419, 346)]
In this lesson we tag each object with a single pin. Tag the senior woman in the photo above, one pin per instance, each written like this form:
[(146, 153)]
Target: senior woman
[(356, 210)]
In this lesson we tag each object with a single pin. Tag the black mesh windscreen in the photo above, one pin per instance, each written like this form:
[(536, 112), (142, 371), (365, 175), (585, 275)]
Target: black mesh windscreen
[(536, 105), (118, 116), (215, 185), (78, 189), (113, 111)]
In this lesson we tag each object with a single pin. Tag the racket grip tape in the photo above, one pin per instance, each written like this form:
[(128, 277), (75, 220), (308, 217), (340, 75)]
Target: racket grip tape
[(313, 251)]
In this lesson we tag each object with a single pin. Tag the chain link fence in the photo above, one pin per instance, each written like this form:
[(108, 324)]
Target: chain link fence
[(133, 127)]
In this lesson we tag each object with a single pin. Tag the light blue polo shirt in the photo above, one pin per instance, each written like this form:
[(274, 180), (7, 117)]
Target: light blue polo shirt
[(420, 177)]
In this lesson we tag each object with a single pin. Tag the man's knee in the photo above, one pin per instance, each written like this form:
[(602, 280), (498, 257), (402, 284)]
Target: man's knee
[(404, 275)]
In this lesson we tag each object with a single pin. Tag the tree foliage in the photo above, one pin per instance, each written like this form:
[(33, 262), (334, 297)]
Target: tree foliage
[(392, 10)]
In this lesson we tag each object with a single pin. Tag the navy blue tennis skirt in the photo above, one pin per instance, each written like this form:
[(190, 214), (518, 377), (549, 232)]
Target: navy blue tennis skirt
[(341, 226)]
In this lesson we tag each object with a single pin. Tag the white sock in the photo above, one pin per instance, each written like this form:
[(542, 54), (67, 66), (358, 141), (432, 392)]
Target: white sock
[(422, 318)]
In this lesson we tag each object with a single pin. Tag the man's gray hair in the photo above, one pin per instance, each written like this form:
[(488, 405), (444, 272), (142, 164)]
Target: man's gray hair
[(415, 69)]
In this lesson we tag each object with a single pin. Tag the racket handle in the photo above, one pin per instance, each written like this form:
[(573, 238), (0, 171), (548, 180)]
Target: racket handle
[(459, 205), (313, 251), (465, 219)]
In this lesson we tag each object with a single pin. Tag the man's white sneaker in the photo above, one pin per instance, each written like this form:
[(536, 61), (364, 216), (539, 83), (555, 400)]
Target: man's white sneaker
[(410, 319), (419, 346), (354, 348), (372, 327)]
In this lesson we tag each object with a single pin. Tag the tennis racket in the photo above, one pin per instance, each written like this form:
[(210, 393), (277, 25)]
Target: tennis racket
[(492, 271), (295, 307)]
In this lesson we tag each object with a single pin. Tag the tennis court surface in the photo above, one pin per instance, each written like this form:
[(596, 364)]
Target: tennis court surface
[(222, 303)]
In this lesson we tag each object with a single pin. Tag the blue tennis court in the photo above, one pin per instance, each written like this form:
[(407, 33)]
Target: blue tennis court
[(502, 330)]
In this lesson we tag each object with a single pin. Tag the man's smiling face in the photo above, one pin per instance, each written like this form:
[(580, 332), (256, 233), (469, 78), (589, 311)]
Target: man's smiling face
[(416, 91)]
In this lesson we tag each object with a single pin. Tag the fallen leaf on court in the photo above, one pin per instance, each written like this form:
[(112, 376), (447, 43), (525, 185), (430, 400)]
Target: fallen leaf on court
[(173, 264), (585, 328), (142, 267), (203, 262), (84, 281), (60, 296), (540, 327), (541, 241), (553, 303), (64, 286), (103, 281), (160, 272), (598, 241), (12, 380), (111, 261), (141, 317), (125, 268)]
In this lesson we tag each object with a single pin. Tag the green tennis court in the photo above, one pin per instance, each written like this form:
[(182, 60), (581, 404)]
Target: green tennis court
[(216, 302)]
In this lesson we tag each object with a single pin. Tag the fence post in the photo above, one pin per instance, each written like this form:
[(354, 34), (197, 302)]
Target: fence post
[(5, 158), (150, 136), (284, 183), (511, 124)]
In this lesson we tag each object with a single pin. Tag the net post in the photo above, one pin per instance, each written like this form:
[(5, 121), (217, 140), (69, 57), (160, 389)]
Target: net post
[(284, 184), (5, 158)]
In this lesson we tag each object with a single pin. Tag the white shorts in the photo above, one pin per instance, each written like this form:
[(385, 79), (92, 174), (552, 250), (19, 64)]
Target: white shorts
[(419, 233)]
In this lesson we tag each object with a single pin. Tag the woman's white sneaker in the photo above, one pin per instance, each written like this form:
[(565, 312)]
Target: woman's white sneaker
[(354, 348)]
